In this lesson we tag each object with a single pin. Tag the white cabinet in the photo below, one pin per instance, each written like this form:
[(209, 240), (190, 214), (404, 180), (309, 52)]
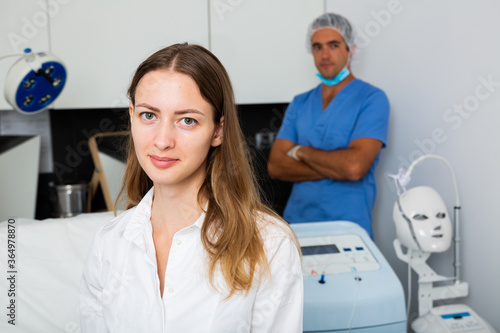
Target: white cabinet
[(101, 42), (19, 157), (262, 44)]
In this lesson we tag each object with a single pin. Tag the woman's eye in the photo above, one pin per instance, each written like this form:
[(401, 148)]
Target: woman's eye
[(148, 115), (188, 121)]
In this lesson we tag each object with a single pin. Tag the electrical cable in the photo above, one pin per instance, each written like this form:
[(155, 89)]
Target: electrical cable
[(409, 292), (423, 157), (49, 37), (10, 55), (209, 26), (358, 283)]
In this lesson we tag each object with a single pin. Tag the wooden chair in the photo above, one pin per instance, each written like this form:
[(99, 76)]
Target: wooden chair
[(106, 167)]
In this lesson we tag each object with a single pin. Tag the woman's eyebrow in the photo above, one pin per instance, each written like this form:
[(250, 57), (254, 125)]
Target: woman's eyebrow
[(188, 111), (147, 106), (179, 112)]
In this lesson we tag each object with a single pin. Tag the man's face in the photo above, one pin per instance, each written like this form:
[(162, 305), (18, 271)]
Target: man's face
[(329, 51)]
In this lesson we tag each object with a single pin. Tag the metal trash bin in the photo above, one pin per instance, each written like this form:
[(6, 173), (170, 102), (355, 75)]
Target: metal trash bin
[(71, 199)]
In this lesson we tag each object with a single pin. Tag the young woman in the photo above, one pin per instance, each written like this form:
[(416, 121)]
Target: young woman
[(197, 250)]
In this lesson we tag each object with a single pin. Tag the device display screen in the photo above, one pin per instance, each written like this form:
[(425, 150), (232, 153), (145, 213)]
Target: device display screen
[(319, 249)]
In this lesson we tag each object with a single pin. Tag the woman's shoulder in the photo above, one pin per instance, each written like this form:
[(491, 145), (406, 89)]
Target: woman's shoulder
[(281, 245), (116, 226), (274, 229)]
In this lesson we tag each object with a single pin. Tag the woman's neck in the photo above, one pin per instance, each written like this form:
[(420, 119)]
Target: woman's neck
[(174, 209)]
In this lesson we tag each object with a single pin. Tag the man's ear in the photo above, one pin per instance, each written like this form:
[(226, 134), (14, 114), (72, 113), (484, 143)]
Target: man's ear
[(352, 51), (219, 133)]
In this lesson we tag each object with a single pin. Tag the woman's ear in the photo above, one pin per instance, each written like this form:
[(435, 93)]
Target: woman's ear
[(219, 133), (130, 110)]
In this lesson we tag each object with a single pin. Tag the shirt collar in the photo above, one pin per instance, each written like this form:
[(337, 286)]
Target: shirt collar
[(141, 218), (199, 222)]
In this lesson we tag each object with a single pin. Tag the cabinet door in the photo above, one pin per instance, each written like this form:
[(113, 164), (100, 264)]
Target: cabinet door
[(103, 42), (262, 44)]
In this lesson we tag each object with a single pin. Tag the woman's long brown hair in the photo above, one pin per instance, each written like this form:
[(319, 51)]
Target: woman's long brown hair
[(230, 232)]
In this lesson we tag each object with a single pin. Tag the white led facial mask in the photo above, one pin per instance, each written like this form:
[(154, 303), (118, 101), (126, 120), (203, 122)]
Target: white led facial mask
[(422, 220)]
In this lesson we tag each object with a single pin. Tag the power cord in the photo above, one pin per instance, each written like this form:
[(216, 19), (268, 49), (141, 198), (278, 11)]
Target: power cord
[(409, 293), (358, 284)]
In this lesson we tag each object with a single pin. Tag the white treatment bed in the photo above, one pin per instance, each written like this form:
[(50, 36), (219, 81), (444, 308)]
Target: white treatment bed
[(48, 261)]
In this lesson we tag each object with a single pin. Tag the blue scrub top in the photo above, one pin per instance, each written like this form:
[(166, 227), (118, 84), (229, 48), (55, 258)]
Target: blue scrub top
[(359, 110)]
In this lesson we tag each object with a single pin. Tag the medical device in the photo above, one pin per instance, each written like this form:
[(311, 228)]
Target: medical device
[(348, 284), (34, 81), (423, 227)]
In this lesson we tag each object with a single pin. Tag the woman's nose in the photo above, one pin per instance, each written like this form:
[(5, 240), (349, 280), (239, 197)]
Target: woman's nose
[(165, 137)]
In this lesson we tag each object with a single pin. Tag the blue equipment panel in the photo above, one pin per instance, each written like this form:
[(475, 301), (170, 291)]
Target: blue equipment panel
[(348, 284), (39, 89)]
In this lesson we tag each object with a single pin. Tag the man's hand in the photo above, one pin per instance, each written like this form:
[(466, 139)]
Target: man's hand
[(350, 164), (281, 166)]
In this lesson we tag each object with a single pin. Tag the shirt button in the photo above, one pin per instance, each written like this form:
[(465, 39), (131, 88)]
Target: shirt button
[(179, 242), (170, 290)]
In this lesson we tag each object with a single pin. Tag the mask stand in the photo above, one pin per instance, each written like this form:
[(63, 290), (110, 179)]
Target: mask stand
[(427, 293), (445, 318)]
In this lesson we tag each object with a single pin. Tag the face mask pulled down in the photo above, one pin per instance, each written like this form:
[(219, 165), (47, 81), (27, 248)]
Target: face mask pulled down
[(337, 79)]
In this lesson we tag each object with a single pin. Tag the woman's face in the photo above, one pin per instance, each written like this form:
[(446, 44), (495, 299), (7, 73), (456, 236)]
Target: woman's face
[(173, 128)]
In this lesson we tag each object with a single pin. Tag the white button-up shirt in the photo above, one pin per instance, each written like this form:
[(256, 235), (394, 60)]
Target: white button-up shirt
[(120, 289)]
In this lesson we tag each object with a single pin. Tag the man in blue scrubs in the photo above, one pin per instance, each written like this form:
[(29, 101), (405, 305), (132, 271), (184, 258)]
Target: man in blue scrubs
[(330, 139)]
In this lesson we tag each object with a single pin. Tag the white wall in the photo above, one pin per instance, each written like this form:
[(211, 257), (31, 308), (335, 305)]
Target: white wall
[(429, 56), (262, 45)]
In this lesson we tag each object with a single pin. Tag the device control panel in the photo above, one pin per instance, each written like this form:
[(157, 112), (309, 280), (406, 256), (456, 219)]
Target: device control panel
[(334, 254), (461, 322)]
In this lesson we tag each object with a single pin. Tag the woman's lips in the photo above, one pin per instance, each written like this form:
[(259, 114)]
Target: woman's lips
[(162, 162)]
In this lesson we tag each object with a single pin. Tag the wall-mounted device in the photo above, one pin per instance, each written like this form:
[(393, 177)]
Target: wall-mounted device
[(34, 81)]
